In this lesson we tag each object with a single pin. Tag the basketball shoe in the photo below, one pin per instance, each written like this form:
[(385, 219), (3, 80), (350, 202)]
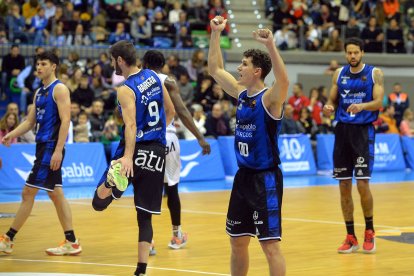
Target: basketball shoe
[(349, 245), (6, 244), (152, 251), (65, 248), (115, 177), (369, 242), (178, 241)]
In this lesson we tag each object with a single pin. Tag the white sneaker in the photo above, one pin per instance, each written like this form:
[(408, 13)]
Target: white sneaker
[(6, 244), (65, 248), (177, 243)]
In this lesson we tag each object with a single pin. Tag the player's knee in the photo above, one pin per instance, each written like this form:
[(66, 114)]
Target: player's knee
[(100, 204), (28, 193), (144, 226)]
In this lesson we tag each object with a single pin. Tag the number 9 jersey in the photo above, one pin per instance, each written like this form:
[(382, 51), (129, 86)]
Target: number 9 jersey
[(256, 133), (149, 101)]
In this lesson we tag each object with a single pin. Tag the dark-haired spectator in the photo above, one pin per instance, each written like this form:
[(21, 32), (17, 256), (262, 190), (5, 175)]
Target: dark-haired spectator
[(399, 100), (186, 89), (216, 123), (97, 119), (395, 38), (141, 31), (197, 10), (184, 39), (81, 130), (83, 95), (13, 63), (217, 8), (175, 67), (119, 34), (352, 29), (333, 43), (373, 36), (307, 124), (50, 9), (7, 123), (391, 9), (74, 112), (289, 124), (298, 100)]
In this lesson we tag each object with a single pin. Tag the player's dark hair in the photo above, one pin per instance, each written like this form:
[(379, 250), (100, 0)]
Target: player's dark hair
[(153, 60), (261, 60), (125, 50), (355, 41), (48, 55)]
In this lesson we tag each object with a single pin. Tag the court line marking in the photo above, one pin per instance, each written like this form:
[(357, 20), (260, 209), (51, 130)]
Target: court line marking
[(117, 265), (283, 218)]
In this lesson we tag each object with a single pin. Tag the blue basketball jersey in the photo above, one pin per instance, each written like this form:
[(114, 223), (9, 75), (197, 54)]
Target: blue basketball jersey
[(47, 114), (355, 88), (256, 134), (149, 101)]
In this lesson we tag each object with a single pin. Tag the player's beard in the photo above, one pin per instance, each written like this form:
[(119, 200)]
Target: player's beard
[(356, 64), (118, 70)]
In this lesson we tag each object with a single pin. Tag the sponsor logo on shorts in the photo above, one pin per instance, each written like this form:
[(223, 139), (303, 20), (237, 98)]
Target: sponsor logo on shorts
[(255, 217), (232, 222), (147, 160)]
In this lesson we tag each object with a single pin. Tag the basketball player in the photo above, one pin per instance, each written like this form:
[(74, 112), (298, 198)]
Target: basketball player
[(357, 92), (256, 198), (51, 116), (139, 159), (155, 60)]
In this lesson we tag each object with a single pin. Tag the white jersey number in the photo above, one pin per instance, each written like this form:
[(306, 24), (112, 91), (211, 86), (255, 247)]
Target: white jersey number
[(243, 149), (154, 113)]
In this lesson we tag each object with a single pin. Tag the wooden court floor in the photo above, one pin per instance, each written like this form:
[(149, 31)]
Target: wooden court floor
[(312, 230)]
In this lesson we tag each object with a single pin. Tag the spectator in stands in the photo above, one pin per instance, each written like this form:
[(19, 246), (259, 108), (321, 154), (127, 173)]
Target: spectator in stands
[(199, 118), (16, 25), (99, 32), (298, 100), (184, 39), (282, 38), (119, 34), (325, 21), (74, 112), (326, 126), (81, 130), (12, 108), (289, 124), (58, 38), (175, 67), (399, 100), (30, 9), (352, 28), (74, 81), (136, 10), (197, 9), (333, 65), (315, 105), (387, 118), (410, 37), (313, 38), (107, 69), (205, 93), (141, 31), (28, 137), (84, 95), (216, 123), (174, 14), (79, 38), (50, 9), (217, 8), (186, 89), (7, 123), (12, 64), (195, 65), (391, 9), (97, 119), (407, 124), (110, 134), (38, 32), (373, 36), (307, 124), (333, 43), (395, 38)]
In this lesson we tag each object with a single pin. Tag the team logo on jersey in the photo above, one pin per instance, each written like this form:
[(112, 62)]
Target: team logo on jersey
[(346, 93), (140, 133), (252, 104), (144, 100), (360, 160), (240, 106), (364, 78), (255, 215), (344, 78)]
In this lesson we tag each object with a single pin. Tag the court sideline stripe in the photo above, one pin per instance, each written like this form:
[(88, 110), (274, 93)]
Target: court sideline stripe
[(117, 265), (283, 218)]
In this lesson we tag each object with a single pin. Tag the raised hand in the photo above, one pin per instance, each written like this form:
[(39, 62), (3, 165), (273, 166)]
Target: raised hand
[(264, 36), (218, 23)]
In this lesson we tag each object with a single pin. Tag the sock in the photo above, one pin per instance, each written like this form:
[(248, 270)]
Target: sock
[(177, 231), (70, 236), (350, 227), (106, 184), (141, 268), (369, 223), (11, 233)]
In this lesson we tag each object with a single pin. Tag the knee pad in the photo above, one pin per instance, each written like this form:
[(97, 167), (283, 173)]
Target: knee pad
[(145, 232), (100, 204)]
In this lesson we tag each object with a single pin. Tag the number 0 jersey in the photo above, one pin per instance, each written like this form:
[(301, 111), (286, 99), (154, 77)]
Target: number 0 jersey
[(149, 101), (256, 134)]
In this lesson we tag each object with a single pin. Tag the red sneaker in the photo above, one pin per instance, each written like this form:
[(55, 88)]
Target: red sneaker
[(349, 245), (369, 242)]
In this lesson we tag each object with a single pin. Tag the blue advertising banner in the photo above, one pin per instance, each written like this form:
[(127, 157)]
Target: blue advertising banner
[(228, 156), (296, 155), (407, 144), (388, 152), (83, 165)]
